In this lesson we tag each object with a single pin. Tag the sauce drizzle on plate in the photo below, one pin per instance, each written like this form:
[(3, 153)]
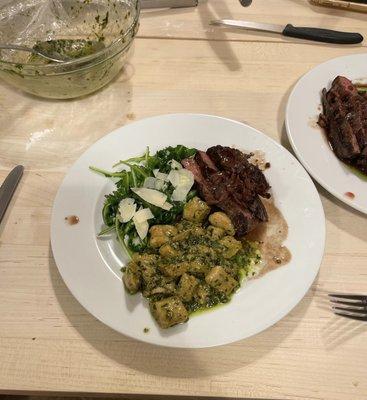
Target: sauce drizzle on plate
[(271, 236), (350, 195), (72, 219)]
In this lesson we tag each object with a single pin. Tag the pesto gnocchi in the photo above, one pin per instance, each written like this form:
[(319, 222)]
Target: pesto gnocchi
[(191, 265)]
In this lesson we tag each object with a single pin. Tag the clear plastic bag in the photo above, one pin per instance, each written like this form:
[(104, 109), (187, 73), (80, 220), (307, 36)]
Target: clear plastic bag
[(26, 22), (95, 35)]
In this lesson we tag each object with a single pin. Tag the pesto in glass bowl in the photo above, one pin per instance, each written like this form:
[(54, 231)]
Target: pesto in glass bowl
[(95, 36)]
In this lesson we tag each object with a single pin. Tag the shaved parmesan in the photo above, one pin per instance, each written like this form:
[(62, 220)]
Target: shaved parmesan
[(180, 193), (136, 241), (159, 175), (150, 182), (159, 184), (175, 164), (128, 200), (151, 196), (127, 209), (182, 180), (140, 220), (142, 215), (162, 176), (167, 206), (174, 177), (142, 229), (186, 177)]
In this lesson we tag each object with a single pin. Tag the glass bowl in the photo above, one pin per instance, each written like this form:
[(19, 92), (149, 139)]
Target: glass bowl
[(108, 27)]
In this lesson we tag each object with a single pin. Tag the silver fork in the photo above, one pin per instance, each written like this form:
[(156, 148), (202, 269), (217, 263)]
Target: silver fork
[(352, 306), (56, 57)]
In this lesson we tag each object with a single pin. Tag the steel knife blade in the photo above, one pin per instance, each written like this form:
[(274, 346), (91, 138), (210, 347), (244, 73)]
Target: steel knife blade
[(8, 187)]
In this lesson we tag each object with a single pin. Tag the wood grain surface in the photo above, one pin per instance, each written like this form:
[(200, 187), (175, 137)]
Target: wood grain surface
[(50, 344)]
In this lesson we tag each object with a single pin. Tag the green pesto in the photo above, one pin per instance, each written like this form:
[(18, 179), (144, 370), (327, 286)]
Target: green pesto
[(362, 88), (68, 48), (357, 172), (190, 267), (201, 311)]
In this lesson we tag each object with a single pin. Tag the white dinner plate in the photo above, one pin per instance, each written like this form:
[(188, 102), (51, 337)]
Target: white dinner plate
[(91, 267), (309, 141)]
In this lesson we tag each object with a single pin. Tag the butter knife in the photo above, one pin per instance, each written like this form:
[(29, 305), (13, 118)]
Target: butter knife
[(8, 187), (315, 34)]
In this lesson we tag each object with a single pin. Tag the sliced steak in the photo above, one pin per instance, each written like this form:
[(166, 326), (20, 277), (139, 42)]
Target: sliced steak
[(192, 165), (338, 128), (225, 179), (205, 163), (230, 159), (203, 185), (242, 218), (343, 86), (344, 119), (226, 158)]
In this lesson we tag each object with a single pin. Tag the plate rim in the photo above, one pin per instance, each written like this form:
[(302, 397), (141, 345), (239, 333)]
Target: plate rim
[(223, 342), (298, 152)]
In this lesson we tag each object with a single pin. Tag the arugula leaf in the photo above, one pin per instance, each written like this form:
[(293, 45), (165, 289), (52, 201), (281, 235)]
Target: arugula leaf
[(162, 158)]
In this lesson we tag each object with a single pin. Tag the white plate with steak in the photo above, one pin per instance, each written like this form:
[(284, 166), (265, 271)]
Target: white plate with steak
[(326, 122), (277, 207)]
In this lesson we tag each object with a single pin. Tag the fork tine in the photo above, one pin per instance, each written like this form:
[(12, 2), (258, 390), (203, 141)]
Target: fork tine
[(351, 316), (348, 296), (348, 303), (352, 310)]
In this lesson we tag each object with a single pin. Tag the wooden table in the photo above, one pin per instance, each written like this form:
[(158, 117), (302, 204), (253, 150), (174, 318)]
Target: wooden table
[(49, 343)]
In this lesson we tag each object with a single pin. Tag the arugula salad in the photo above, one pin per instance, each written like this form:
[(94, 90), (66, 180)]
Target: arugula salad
[(152, 190)]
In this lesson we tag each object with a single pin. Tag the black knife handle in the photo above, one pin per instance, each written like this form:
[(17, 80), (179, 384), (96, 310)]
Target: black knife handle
[(322, 35)]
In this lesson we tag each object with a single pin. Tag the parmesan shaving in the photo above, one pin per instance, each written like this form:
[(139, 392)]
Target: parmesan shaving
[(127, 209)]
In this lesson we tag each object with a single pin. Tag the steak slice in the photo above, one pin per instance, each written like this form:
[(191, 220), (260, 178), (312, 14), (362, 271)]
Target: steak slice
[(343, 87), (203, 185), (230, 159), (226, 158), (206, 165), (344, 119), (242, 218), (338, 128), (225, 179)]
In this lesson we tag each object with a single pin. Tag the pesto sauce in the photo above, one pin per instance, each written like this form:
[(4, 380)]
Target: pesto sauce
[(99, 25), (201, 311), (357, 172), (68, 48), (194, 251)]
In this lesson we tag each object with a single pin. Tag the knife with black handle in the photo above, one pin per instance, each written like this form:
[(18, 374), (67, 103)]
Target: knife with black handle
[(356, 1), (315, 34), (322, 35)]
